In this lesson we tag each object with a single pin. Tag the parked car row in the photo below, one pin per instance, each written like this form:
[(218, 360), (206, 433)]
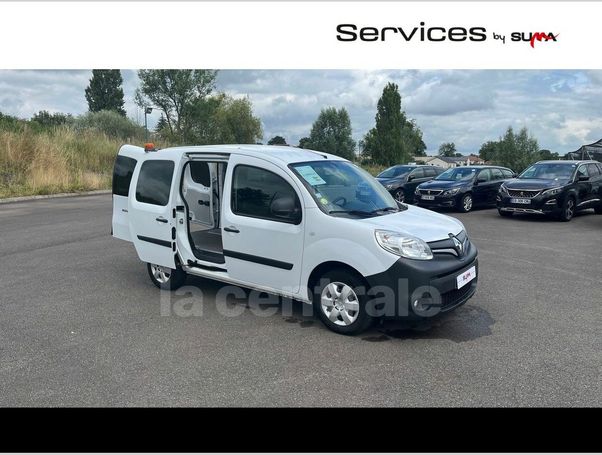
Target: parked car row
[(557, 188)]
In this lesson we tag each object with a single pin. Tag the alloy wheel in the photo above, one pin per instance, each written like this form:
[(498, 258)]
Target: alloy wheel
[(570, 209), (467, 203), (161, 274), (399, 196)]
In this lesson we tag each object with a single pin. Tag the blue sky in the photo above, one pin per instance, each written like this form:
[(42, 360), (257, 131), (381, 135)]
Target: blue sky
[(561, 108)]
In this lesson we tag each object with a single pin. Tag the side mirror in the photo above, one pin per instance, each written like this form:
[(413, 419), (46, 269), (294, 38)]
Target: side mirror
[(410, 178), (481, 180), (583, 178), (286, 208)]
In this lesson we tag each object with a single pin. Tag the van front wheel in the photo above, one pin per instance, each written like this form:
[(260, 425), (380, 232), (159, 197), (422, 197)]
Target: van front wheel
[(166, 278), (340, 302)]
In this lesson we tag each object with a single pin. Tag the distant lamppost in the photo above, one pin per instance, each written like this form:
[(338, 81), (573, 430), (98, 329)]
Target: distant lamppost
[(147, 110)]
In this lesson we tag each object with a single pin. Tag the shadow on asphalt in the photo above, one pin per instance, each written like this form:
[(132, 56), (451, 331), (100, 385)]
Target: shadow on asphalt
[(466, 323), (463, 324)]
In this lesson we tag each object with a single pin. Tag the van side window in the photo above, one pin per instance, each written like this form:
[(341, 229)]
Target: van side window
[(507, 174), (154, 182), (199, 171), (254, 191), (122, 175)]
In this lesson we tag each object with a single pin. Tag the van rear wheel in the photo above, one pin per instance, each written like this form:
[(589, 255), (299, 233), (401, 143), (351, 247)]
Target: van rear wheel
[(166, 278), (340, 302)]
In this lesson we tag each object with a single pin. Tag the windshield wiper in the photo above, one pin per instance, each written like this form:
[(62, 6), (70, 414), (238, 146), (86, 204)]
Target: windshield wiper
[(385, 209), (352, 212), (363, 212)]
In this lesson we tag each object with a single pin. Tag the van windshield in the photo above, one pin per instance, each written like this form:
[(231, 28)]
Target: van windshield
[(342, 189)]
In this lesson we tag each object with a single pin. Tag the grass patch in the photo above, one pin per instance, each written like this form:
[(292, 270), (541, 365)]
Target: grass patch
[(57, 160)]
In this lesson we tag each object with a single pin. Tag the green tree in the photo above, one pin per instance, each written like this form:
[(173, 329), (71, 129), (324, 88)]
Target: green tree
[(46, 119), (516, 151), (277, 140), (180, 94), (304, 143), (447, 149), (111, 123), (394, 139), (161, 124), (105, 92), (331, 133), (546, 154), (412, 139), (222, 119), (488, 151)]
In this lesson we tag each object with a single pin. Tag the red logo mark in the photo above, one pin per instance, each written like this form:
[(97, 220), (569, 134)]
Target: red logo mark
[(542, 37)]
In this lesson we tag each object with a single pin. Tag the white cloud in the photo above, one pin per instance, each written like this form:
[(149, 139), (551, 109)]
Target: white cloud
[(560, 108)]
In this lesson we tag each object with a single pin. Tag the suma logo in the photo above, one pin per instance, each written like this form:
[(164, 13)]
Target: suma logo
[(533, 36)]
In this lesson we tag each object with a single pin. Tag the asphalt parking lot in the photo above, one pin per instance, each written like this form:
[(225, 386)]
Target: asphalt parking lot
[(82, 325)]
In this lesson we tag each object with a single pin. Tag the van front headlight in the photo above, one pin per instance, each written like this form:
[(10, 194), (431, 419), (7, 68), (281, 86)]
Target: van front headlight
[(403, 245)]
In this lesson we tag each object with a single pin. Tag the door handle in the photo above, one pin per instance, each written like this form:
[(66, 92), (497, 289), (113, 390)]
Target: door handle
[(161, 219), (124, 210), (231, 229)]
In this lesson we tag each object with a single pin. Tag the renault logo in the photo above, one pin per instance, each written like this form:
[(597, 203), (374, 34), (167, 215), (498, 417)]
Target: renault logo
[(457, 244)]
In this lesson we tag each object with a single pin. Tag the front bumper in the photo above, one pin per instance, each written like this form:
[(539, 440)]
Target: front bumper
[(538, 205), (438, 201), (395, 292)]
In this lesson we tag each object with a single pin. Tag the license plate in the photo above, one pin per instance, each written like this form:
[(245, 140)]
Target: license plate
[(428, 198), (466, 277), (520, 201)]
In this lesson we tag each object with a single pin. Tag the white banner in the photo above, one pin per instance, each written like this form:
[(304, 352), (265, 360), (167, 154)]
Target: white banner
[(367, 35)]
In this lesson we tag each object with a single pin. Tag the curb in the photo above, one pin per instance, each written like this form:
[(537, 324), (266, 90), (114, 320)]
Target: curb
[(11, 200)]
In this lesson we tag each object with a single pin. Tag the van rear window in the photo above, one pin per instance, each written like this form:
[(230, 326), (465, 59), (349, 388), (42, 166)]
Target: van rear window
[(122, 175), (154, 182)]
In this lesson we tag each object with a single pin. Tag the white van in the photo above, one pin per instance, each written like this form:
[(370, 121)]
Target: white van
[(298, 223)]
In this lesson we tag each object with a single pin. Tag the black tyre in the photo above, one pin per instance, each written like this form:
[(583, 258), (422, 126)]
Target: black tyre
[(465, 203), (505, 214), (568, 209), (166, 278), (340, 302)]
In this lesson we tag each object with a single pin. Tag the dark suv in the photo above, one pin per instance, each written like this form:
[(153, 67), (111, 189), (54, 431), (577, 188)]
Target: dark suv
[(463, 187), (401, 180), (557, 188)]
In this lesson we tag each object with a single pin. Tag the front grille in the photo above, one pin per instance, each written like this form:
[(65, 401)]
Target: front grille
[(523, 193), (431, 192), (447, 246), (451, 298)]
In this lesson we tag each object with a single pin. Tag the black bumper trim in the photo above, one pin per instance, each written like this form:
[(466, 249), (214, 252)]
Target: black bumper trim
[(258, 260), (159, 242), (408, 279)]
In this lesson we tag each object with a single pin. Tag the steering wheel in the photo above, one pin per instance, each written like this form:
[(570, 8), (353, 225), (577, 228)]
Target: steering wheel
[(340, 198)]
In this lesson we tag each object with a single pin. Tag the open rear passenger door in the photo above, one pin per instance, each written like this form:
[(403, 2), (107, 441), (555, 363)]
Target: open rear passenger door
[(151, 211)]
